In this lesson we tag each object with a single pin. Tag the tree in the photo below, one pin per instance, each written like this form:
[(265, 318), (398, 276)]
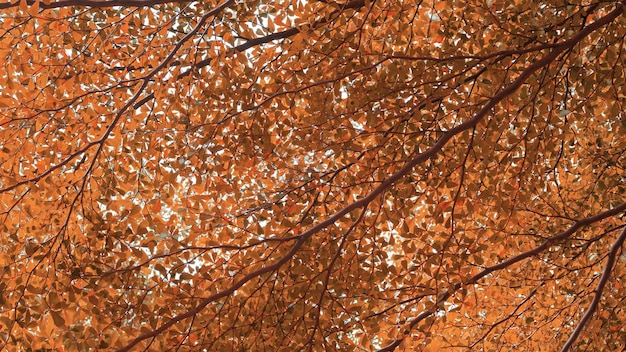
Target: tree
[(312, 175)]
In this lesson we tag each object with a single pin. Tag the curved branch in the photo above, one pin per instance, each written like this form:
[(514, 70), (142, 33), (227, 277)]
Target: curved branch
[(507, 263), (545, 61), (406, 169), (387, 183), (606, 273)]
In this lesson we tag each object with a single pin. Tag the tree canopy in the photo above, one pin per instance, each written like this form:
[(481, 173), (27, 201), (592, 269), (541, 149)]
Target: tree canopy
[(320, 175)]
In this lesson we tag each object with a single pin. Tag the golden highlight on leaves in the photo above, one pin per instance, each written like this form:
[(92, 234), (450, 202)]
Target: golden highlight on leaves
[(320, 175)]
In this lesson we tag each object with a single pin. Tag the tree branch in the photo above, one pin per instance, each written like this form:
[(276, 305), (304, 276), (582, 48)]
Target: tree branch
[(406, 169), (94, 3), (505, 264), (282, 34), (606, 273), (546, 60)]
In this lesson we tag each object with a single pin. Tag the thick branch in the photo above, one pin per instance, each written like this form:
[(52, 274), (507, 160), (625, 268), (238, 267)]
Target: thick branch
[(507, 263), (354, 4), (545, 61), (283, 34), (606, 273), (262, 40), (406, 169)]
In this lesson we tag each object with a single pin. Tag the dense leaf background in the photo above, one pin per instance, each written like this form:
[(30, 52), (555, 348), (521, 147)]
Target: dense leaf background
[(312, 175)]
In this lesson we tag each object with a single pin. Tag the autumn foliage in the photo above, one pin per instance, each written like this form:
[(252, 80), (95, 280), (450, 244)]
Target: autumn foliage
[(317, 175)]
